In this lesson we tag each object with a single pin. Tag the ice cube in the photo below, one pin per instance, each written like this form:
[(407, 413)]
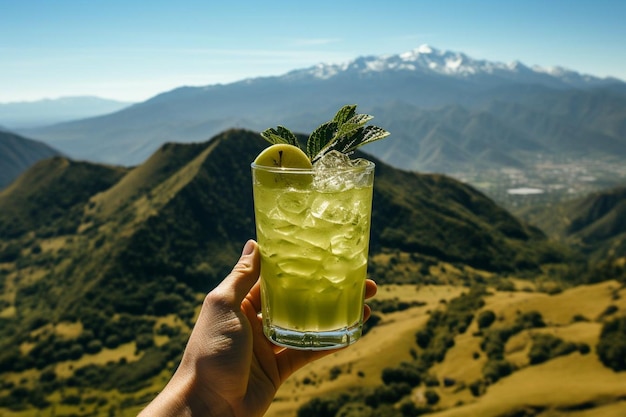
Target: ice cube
[(275, 222), (335, 270), (300, 267), (333, 160), (334, 211), (293, 202), (333, 173), (314, 240), (330, 172)]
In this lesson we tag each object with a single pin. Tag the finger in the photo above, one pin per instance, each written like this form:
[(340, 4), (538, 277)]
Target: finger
[(370, 288), (234, 288), (367, 312), (254, 297)]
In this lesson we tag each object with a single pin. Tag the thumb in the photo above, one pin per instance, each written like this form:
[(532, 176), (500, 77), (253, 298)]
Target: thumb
[(242, 278)]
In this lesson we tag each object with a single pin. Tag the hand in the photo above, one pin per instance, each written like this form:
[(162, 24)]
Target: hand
[(229, 368)]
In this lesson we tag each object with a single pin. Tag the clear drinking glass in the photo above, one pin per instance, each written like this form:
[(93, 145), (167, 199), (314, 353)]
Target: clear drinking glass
[(313, 231)]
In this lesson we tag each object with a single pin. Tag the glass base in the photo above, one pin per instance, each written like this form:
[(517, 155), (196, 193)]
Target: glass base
[(313, 340)]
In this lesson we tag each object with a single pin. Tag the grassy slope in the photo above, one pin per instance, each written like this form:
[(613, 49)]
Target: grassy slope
[(564, 382), (560, 385), (162, 164)]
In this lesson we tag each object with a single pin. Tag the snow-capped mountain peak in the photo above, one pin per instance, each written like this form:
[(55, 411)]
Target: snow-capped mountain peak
[(426, 60), (413, 54)]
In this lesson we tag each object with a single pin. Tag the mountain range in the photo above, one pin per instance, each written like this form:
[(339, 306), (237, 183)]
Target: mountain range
[(50, 111), (431, 61), (447, 112)]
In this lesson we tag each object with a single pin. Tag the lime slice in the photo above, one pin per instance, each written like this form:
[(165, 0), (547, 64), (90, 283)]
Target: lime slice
[(283, 155), (283, 162)]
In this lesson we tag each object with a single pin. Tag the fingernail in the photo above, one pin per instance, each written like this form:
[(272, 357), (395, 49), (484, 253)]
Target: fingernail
[(248, 248)]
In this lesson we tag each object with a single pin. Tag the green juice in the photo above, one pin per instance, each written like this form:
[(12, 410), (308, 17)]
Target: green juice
[(314, 239)]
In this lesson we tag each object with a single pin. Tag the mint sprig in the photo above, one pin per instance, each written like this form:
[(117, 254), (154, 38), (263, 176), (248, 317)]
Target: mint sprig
[(344, 133)]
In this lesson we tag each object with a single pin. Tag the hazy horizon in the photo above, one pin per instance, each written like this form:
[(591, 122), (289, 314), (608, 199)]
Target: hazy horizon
[(131, 52)]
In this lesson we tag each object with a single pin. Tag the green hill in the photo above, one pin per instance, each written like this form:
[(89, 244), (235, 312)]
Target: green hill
[(599, 217), (595, 223), (18, 154), (103, 268), (50, 196)]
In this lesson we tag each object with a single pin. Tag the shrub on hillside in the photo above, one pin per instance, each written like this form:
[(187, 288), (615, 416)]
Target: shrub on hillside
[(422, 337), (144, 341), (442, 326), (496, 369), (408, 409), (354, 410), (530, 320), (10, 252), (611, 347), (548, 346), (75, 351), (389, 410), (387, 394), (393, 304), (403, 373), (583, 348), (477, 388), (164, 304), (609, 310), (495, 339), (130, 378), (93, 346), (47, 375), (485, 319), (431, 397), (9, 359), (326, 406)]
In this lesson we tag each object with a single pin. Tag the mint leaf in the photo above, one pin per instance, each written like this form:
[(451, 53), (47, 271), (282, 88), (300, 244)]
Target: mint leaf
[(344, 114), (372, 133), (349, 133), (359, 137), (320, 138), (344, 133), (354, 123), (279, 135), (340, 139), (348, 142)]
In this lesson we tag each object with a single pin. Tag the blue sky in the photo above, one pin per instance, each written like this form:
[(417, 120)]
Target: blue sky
[(132, 50)]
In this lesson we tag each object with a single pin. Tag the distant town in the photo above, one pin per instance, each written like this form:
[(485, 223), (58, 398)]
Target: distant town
[(548, 180)]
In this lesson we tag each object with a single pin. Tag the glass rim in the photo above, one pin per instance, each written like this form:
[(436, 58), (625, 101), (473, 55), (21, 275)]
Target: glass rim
[(363, 167)]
